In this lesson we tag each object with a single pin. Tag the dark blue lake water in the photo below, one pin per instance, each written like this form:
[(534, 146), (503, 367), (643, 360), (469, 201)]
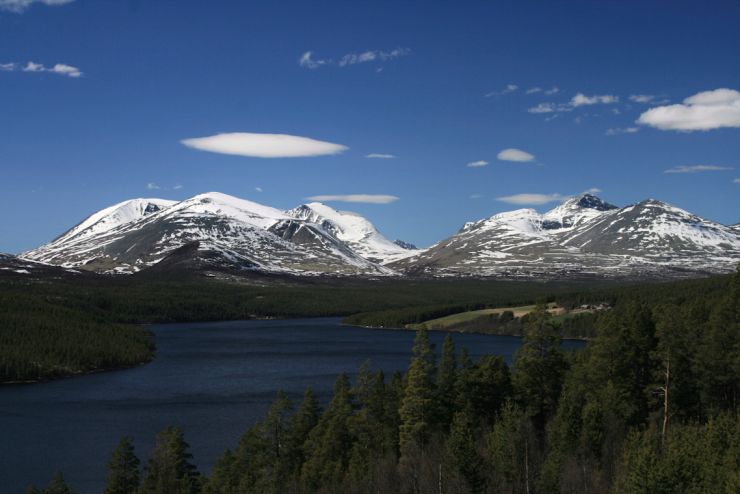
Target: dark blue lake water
[(213, 379)]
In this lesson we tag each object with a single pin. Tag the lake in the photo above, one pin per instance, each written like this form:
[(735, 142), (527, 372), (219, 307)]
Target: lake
[(213, 379)]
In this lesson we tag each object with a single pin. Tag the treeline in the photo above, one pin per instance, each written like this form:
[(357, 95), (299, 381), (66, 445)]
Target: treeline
[(568, 296), (649, 406)]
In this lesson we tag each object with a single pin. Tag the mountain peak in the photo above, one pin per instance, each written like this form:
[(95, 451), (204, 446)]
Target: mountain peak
[(115, 216), (590, 201)]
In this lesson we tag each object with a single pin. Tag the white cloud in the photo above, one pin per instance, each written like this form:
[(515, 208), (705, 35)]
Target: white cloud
[(703, 111), (380, 156), (177, 187), (64, 69), (593, 190), (543, 108), (581, 99), (34, 67), (736, 181), (510, 88), (20, 6), (477, 164), (152, 186), (531, 199), (576, 101), (533, 90), (60, 68), (642, 98), (552, 90), (513, 154), (258, 189), (476, 196), (308, 60), (696, 169), (371, 56), (365, 198), (626, 130), (264, 145)]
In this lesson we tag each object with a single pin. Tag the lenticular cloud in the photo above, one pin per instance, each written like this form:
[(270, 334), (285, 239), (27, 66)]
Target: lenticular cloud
[(264, 145), (703, 111)]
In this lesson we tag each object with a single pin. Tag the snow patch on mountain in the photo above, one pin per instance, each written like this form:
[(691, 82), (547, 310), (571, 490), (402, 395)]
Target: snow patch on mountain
[(354, 230), (113, 217)]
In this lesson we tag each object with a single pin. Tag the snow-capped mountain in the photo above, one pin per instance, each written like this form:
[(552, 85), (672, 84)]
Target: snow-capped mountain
[(112, 217), (582, 237), (229, 233), (355, 231)]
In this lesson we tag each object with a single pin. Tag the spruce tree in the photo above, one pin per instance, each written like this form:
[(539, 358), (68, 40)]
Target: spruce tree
[(275, 430), (170, 470), (540, 367), (123, 469), (417, 408), (301, 424), (58, 485), (330, 442), (446, 383), (461, 455)]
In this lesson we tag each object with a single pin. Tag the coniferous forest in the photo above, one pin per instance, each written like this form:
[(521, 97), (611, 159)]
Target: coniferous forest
[(650, 405)]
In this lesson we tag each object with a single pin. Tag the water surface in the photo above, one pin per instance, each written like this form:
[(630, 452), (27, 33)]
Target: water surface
[(213, 379)]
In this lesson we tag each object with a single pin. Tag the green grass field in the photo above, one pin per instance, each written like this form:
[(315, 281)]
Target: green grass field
[(462, 317)]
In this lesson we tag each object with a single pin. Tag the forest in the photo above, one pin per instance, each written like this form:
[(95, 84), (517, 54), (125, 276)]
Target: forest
[(53, 328), (648, 406)]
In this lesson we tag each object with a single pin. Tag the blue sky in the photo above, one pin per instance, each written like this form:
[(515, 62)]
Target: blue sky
[(98, 95)]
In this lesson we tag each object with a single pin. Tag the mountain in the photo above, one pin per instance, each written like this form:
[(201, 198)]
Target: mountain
[(355, 232), (220, 234), (230, 233), (14, 267), (583, 237)]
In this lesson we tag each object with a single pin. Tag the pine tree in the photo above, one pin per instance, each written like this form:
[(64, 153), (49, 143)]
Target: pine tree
[(540, 367), (123, 469), (58, 485), (330, 442), (489, 384), (461, 452), (170, 470), (417, 408), (446, 383), (275, 430), (301, 424)]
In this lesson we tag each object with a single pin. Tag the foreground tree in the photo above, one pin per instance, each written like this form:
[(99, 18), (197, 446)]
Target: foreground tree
[(417, 410), (123, 469), (58, 485), (540, 368), (170, 470)]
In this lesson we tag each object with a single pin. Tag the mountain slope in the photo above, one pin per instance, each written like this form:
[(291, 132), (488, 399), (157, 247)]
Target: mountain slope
[(229, 232), (354, 231), (585, 236)]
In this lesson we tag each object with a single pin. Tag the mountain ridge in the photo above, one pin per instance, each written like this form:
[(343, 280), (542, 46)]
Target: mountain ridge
[(583, 236)]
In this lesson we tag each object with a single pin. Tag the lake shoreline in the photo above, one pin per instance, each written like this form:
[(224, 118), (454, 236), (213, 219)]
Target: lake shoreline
[(448, 330)]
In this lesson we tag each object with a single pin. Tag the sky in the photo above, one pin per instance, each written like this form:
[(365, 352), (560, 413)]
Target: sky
[(419, 115)]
